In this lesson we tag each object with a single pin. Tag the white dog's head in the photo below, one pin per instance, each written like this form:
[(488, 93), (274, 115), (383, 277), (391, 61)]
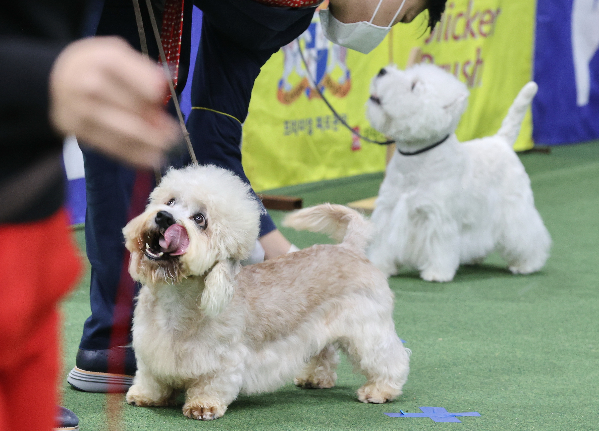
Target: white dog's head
[(200, 221), (417, 106)]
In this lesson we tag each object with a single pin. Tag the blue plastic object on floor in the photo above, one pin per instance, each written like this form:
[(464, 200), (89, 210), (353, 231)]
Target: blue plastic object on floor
[(437, 414)]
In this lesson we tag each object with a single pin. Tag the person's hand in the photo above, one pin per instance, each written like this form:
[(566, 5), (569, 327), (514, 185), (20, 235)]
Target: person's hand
[(112, 98)]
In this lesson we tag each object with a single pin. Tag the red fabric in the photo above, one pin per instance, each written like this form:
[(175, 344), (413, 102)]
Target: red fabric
[(121, 326), (170, 35), (123, 312), (290, 3), (39, 264)]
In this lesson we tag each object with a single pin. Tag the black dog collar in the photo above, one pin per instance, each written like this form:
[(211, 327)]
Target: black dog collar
[(422, 150)]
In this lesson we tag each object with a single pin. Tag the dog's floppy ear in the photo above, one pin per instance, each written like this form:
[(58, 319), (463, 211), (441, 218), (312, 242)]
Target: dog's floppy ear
[(458, 105), (219, 285), (131, 231)]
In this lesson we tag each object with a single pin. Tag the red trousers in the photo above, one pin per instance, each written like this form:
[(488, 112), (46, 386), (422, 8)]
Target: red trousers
[(39, 264)]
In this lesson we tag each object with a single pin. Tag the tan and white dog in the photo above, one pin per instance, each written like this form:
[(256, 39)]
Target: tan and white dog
[(443, 202), (205, 325)]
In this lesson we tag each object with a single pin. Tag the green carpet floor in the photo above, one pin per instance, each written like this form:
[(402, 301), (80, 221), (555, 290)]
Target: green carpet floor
[(520, 350)]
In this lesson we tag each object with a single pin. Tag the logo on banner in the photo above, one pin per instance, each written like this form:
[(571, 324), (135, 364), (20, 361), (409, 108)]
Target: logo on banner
[(325, 64)]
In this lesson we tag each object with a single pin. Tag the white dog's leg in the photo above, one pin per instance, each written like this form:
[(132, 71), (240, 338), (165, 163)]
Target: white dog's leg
[(439, 246), (209, 396), (372, 345), (439, 273), (146, 391), (526, 242), (386, 243), (384, 361), (320, 371), (384, 259)]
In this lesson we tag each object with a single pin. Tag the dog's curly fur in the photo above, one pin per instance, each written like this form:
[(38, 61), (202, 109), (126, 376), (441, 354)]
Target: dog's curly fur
[(457, 202), (207, 326)]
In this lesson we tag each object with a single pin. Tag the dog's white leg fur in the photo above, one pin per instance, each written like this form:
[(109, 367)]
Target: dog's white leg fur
[(320, 371), (379, 250), (368, 338), (525, 249), (426, 236), (147, 391), (442, 242), (389, 201), (384, 361), (208, 397), (385, 262)]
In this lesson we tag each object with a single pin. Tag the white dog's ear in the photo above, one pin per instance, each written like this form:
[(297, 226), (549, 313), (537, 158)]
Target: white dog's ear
[(219, 285), (458, 104), (131, 232)]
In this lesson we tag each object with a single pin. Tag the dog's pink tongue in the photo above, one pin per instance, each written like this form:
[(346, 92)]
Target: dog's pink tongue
[(175, 241)]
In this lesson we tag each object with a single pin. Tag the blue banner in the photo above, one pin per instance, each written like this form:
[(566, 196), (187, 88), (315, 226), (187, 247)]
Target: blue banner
[(186, 96), (565, 109)]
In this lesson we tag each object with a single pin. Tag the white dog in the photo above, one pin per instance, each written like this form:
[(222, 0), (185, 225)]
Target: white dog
[(442, 202), (207, 326)]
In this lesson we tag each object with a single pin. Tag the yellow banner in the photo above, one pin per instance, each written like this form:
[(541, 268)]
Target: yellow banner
[(291, 136)]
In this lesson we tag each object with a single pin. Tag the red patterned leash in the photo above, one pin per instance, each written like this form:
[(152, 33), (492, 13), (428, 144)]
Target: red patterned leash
[(171, 33), (173, 26)]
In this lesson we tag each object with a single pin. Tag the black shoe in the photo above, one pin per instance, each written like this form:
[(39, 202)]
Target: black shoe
[(91, 371), (66, 420)]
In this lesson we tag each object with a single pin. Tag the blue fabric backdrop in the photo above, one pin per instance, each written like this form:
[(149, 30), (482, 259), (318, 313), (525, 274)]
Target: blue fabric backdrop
[(566, 70), (186, 103)]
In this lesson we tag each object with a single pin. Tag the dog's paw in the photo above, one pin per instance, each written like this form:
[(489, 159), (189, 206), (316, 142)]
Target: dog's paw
[(440, 276), (204, 411), (136, 397), (524, 269), (377, 393), (313, 382)]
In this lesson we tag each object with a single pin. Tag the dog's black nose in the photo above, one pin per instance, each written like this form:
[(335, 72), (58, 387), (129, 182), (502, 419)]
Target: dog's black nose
[(382, 72), (164, 219)]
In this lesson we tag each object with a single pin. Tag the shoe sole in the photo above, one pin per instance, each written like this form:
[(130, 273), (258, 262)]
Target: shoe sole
[(67, 428), (90, 381)]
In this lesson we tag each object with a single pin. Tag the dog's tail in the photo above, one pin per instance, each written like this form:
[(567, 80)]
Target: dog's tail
[(341, 223), (511, 125)]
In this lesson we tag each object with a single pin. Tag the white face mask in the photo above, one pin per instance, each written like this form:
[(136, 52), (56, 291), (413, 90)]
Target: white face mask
[(360, 36)]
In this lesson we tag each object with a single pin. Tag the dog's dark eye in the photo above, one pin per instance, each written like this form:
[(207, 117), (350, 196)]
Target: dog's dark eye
[(171, 202), (200, 220), (414, 84)]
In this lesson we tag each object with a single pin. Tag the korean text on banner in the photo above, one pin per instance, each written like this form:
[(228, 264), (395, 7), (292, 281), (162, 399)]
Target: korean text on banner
[(290, 135)]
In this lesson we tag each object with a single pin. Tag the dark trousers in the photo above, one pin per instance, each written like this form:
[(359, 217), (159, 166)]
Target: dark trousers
[(238, 37)]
